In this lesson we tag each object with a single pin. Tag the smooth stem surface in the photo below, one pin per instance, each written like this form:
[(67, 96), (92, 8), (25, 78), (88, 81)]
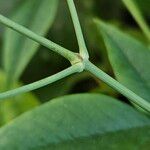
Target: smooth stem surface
[(74, 58), (78, 30), (43, 41), (117, 86), (71, 70), (137, 15)]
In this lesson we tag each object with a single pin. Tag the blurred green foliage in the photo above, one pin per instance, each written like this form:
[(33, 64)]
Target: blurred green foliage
[(12, 107)]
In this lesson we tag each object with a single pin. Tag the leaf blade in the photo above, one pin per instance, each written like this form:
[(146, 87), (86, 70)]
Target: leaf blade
[(86, 115), (18, 50), (129, 59)]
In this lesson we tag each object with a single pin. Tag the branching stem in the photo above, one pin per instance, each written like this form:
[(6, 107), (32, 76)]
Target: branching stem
[(79, 62)]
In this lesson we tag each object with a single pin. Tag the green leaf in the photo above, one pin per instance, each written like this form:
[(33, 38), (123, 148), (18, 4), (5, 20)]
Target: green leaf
[(11, 108), (144, 5), (138, 16), (129, 59), (122, 140), (74, 120), (18, 50)]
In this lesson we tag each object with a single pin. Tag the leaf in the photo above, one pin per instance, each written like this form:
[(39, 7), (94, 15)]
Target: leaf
[(18, 50), (129, 59), (124, 140), (11, 108), (144, 5), (7, 6), (138, 16), (74, 120)]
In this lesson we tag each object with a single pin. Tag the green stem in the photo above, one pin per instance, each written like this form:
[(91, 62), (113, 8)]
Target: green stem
[(78, 30), (71, 70), (137, 15), (117, 86), (43, 41)]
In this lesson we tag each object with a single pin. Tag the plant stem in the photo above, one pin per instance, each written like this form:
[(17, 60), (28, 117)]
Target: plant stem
[(71, 70), (117, 86), (137, 15), (43, 41), (78, 30)]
